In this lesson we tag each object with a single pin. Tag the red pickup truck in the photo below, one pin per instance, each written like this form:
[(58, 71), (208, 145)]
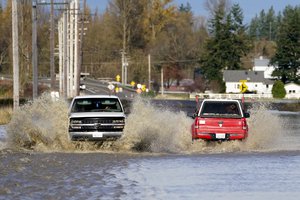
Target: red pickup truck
[(220, 119)]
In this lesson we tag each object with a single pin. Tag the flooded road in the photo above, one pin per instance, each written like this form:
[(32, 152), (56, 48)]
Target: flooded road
[(154, 160)]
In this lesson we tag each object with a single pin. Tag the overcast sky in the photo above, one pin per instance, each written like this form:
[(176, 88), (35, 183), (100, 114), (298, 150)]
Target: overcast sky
[(250, 7)]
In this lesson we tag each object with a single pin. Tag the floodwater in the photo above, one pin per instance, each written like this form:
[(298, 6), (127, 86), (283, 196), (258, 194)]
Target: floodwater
[(154, 160)]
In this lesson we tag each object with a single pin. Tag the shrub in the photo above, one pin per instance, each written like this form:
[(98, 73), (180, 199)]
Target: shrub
[(278, 90), (5, 115)]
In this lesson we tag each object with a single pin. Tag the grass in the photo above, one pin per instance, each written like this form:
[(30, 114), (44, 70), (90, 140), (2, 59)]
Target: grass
[(5, 115)]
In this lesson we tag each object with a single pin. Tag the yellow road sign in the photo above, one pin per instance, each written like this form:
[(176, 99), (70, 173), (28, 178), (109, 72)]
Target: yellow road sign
[(243, 87), (118, 78), (132, 83)]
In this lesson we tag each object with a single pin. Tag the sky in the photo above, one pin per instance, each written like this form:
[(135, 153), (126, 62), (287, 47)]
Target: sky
[(250, 7)]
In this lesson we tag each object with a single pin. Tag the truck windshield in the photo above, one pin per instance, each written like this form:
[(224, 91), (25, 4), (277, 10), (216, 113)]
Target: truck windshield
[(226, 109), (96, 105)]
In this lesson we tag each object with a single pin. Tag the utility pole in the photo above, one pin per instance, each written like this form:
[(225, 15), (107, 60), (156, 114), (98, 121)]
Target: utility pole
[(34, 52), (65, 46), (52, 67), (15, 46), (124, 16), (60, 46), (76, 61), (71, 47), (123, 64), (125, 70), (149, 70), (68, 51), (162, 80), (80, 61)]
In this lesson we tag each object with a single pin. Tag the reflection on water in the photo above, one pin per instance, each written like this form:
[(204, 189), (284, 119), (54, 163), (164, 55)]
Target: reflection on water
[(154, 160)]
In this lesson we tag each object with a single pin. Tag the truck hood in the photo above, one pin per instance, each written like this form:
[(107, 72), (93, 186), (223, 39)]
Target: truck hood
[(96, 114)]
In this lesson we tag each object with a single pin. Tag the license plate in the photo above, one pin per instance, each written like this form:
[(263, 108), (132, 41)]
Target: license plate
[(97, 135), (220, 135)]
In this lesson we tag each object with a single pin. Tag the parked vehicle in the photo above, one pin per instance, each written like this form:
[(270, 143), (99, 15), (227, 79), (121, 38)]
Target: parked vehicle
[(219, 119), (82, 86), (96, 117)]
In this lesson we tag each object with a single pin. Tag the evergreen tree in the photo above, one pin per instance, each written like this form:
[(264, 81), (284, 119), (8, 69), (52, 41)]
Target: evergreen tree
[(227, 45), (211, 61), (240, 41), (271, 24), (253, 28), (278, 90), (264, 26), (185, 8), (287, 57)]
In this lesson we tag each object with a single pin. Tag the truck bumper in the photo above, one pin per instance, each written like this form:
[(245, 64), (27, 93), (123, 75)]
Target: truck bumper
[(92, 136), (225, 136)]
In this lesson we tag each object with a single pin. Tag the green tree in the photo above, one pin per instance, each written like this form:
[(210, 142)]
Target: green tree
[(287, 56), (240, 42), (278, 90), (264, 26), (227, 45)]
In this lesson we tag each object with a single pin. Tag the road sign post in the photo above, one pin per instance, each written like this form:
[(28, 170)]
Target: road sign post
[(243, 89)]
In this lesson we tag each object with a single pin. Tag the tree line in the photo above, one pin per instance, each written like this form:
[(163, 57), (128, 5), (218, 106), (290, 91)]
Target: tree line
[(183, 44)]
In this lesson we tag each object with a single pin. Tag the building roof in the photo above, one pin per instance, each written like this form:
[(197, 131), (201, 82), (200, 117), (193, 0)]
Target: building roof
[(292, 83), (261, 62), (250, 76)]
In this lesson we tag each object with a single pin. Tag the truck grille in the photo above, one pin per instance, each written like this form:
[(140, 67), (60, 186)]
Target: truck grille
[(97, 124)]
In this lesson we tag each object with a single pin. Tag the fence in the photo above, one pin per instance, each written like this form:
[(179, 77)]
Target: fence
[(239, 96)]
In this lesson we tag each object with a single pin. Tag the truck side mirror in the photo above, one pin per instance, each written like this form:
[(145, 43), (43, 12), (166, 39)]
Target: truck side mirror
[(192, 115), (126, 111), (246, 115)]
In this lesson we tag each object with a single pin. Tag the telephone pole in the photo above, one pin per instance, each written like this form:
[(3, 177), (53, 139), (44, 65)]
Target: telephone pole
[(76, 51), (65, 46), (52, 67), (79, 65), (15, 46), (149, 71), (34, 52)]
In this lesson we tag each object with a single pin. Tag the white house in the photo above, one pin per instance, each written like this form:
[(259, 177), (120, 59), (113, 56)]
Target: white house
[(292, 90), (256, 82), (263, 64), (259, 81)]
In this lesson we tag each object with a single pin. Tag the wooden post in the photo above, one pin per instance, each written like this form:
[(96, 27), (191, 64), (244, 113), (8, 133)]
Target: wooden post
[(162, 80), (52, 67), (76, 80), (149, 70), (60, 44), (15, 48), (71, 47), (65, 46), (34, 52)]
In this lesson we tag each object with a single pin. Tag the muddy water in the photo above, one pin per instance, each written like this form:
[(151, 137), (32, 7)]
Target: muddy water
[(154, 160)]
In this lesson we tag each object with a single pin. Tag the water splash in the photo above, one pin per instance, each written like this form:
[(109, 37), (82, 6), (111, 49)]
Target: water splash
[(265, 131), (265, 128), (42, 126), (149, 128)]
